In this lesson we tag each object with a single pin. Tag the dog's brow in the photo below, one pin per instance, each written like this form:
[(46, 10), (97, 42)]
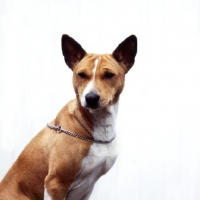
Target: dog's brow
[(107, 69)]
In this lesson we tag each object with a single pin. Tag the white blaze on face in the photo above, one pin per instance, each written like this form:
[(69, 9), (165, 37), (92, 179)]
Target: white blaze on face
[(91, 85), (95, 67)]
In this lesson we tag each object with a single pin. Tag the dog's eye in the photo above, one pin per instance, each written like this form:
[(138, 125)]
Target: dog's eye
[(82, 75), (109, 75)]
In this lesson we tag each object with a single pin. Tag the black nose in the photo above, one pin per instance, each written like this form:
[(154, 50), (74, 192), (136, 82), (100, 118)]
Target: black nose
[(92, 100)]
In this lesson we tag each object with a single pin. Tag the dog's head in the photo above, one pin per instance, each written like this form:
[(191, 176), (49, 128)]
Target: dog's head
[(99, 79)]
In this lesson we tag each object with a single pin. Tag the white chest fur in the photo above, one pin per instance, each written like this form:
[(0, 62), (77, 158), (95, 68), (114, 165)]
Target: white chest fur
[(101, 157), (99, 160)]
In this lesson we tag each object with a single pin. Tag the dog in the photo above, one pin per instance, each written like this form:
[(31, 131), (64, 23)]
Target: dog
[(67, 157)]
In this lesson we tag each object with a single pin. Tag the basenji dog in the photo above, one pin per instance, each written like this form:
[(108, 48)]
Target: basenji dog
[(65, 159)]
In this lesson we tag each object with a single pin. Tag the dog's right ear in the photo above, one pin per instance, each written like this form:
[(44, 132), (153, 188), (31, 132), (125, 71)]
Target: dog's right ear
[(72, 51)]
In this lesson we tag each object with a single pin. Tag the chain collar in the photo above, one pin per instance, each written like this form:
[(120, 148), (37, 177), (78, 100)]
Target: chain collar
[(59, 129)]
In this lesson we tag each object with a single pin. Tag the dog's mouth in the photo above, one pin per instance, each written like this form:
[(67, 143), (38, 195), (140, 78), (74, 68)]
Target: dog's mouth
[(93, 107)]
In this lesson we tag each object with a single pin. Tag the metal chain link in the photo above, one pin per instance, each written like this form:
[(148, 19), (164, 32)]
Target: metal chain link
[(59, 129)]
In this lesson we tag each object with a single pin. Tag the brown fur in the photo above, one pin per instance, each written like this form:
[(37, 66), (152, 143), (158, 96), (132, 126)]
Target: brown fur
[(54, 159), (109, 90)]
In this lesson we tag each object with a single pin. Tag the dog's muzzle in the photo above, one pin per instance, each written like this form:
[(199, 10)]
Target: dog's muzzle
[(92, 100)]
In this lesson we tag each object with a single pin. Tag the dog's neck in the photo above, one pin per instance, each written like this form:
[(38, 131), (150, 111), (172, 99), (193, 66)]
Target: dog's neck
[(99, 123), (104, 123)]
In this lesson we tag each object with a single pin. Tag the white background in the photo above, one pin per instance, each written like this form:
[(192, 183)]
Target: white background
[(159, 116)]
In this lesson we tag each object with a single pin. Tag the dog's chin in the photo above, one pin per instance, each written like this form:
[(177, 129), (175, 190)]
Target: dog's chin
[(93, 108)]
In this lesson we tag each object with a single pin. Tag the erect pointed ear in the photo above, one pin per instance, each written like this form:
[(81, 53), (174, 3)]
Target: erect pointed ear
[(72, 51), (126, 51)]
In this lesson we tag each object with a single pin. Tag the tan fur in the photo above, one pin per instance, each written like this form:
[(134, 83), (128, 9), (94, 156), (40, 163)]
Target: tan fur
[(109, 90), (54, 159)]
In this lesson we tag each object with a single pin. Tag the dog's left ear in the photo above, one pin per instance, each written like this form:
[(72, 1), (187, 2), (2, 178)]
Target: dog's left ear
[(72, 51), (126, 51)]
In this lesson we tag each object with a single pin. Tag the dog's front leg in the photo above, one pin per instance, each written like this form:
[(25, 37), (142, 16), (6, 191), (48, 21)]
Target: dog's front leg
[(46, 195), (87, 195), (55, 188)]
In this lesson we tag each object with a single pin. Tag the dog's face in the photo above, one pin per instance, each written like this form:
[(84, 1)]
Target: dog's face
[(99, 79)]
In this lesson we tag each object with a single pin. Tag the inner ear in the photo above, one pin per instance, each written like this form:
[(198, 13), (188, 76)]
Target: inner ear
[(126, 51), (72, 51)]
